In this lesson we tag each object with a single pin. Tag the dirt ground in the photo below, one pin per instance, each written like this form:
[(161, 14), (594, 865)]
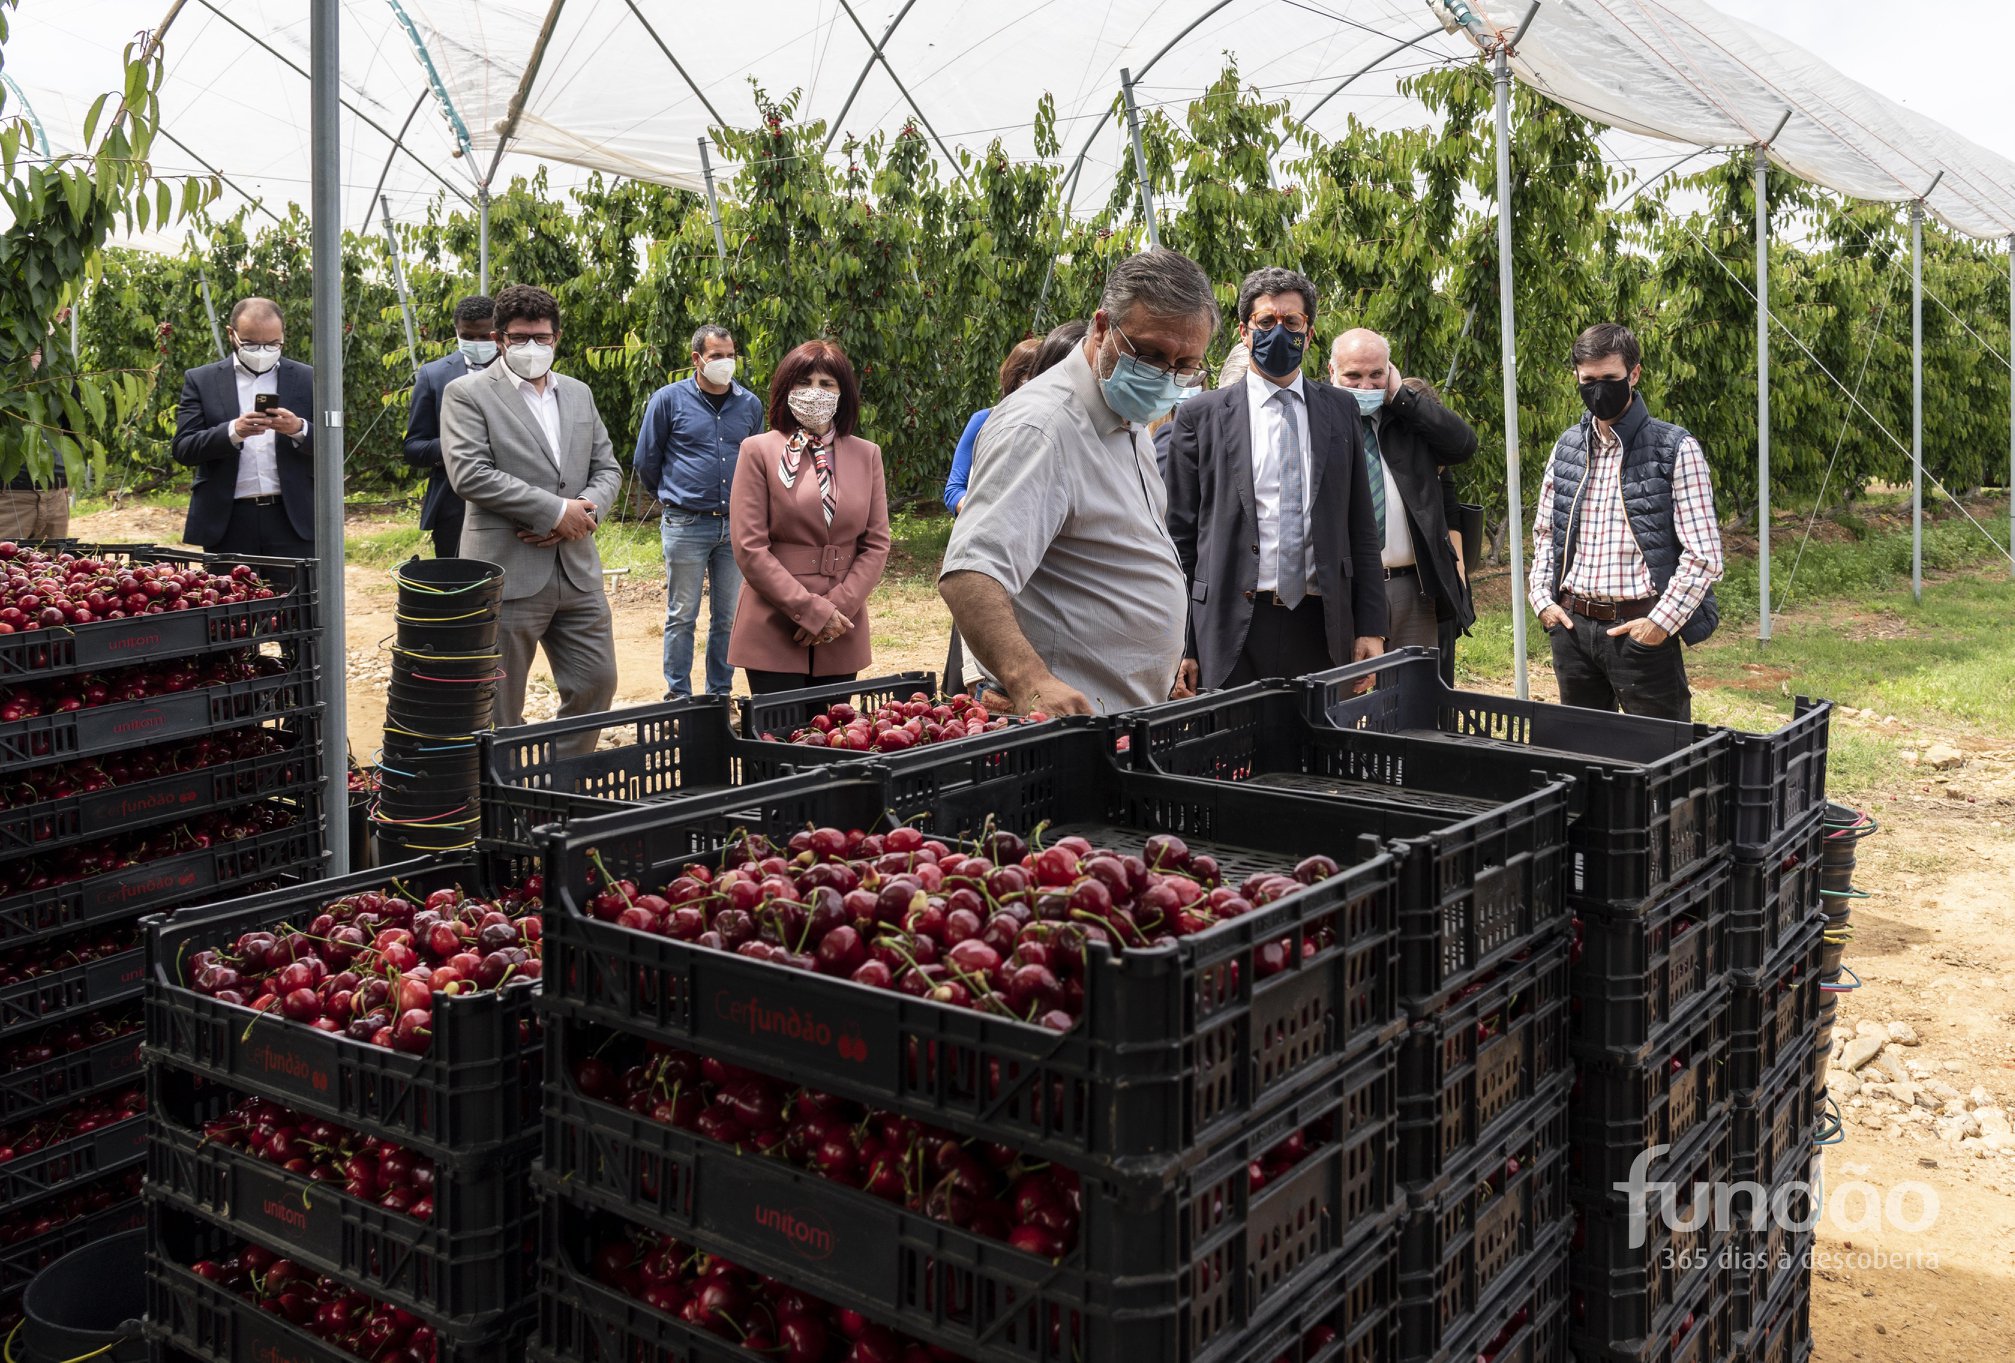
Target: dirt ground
[(1931, 945)]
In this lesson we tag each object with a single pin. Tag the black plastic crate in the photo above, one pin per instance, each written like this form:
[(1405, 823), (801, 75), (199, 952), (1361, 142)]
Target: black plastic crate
[(1777, 892), (1524, 1321), (68, 1162), (471, 1259), (1146, 1279), (472, 1094), (26, 1090), (171, 882), (1651, 798), (1774, 1124), (1698, 1327), (1780, 777), (22, 1260), (1481, 1064), (71, 990), (60, 737), (1628, 1269), (1179, 1045), (1782, 1328), (1770, 1250), (47, 824), (779, 712), (1471, 893), (1674, 1099), (1468, 1237), (207, 1321), (36, 655), (584, 1321), (1774, 1013), (1641, 974)]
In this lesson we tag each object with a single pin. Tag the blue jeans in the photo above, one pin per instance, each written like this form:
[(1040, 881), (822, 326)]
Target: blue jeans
[(697, 549)]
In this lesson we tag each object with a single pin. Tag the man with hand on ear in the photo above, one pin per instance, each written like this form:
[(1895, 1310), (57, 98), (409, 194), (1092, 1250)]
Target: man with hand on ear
[(243, 425), (475, 350), (1625, 547)]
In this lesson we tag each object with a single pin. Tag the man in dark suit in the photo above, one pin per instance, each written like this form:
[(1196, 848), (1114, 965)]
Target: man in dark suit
[(1410, 442), (1270, 509), (244, 425), (475, 349)]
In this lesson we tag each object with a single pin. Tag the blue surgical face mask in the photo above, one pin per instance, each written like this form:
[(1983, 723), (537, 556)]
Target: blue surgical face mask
[(1368, 402), (1136, 390), (1278, 351), (477, 353)]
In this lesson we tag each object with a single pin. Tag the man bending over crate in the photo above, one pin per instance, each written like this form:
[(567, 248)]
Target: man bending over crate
[(1625, 548)]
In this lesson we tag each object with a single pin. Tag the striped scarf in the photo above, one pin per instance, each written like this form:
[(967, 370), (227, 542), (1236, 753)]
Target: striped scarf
[(822, 462)]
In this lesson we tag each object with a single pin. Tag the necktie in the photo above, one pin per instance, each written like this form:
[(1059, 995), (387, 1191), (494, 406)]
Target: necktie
[(1375, 466), (1291, 579)]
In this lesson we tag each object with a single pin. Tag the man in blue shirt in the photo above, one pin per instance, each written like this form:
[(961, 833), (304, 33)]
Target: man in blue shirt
[(691, 437)]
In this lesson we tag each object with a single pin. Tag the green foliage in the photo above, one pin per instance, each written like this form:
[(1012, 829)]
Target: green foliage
[(927, 274)]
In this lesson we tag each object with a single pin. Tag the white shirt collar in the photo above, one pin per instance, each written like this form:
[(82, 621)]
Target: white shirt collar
[(532, 391), (1259, 391)]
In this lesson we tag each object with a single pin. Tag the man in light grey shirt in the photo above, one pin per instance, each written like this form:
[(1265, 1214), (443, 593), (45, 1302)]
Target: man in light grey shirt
[(1060, 573)]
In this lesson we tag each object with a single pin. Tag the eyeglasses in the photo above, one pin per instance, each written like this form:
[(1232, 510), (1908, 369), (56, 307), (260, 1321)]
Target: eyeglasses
[(1190, 377), (543, 338), (1296, 324)]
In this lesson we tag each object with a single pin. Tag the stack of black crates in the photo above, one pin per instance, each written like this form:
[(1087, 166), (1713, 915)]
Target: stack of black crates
[(147, 763), (1164, 1099), (466, 1107)]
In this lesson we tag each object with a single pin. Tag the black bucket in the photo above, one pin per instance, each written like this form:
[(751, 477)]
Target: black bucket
[(433, 780), (432, 582), (454, 639), (1834, 878), (424, 664), (88, 1304), (397, 843), (452, 713), (1830, 953)]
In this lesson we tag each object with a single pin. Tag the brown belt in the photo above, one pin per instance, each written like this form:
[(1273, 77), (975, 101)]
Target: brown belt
[(824, 560), (1608, 610)]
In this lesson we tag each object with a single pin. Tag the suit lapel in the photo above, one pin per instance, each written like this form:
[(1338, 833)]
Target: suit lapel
[(1318, 437), (508, 394), (1239, 413)]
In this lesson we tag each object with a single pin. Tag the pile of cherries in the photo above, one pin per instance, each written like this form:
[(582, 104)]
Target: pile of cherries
[(365, 1167), (760, 1314), (36, 960), (89, 690), (900, 724), (323, 1306), (46, 1133), (1000, 927), (46, 1216), (39, 590), (87, 776), (370, 965), (67, 1038), (221, 829), (363, 780)]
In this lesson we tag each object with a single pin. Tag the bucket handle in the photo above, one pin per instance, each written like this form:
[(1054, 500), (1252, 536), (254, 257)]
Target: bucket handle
[(8, 1348), (1845, 969)]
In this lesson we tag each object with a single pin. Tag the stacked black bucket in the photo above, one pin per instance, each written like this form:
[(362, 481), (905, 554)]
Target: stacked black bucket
[(1844, 828), (445, 669)]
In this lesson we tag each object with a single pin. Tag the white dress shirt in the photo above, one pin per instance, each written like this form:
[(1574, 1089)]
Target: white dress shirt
[(1268, 428), (1398, 551), (258, 455), (545, 405)]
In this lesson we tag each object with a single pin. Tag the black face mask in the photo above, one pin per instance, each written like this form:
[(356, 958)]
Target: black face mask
[(1606, 399)]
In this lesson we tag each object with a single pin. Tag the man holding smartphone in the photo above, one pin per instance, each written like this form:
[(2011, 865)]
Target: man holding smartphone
[(242, 424)]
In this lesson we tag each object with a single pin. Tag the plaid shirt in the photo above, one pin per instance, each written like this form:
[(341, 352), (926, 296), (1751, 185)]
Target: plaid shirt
[(1608, 565)]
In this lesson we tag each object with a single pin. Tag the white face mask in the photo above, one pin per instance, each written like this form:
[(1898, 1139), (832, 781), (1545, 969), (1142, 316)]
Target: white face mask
[(258, 358), (529, 361), (719, 372), (814, 406)]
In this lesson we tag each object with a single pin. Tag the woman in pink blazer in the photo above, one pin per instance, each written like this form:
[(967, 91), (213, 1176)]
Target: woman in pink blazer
[(809, 515)]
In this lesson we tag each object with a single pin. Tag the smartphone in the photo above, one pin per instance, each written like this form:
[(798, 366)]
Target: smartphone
[(262, 403)]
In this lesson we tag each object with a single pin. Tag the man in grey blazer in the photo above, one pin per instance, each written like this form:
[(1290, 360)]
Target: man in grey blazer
[(1269, 505), (527, 451)]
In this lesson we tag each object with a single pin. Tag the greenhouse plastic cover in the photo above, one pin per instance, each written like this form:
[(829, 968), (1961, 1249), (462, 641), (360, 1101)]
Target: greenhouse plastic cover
[(609, 94)]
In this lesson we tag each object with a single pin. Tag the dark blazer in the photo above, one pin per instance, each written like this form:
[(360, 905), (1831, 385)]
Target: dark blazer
[(1418, 440), (441, 507), (203, 417), (1212, 520)]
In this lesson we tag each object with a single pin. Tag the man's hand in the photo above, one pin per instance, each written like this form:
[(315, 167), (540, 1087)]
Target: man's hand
[(283, 422), (1394, 381), (1643, 631), (577, 522), (1187, 675), (1362, 649), (251, 424), (1051, 696), (1556, 615), (538, 541)]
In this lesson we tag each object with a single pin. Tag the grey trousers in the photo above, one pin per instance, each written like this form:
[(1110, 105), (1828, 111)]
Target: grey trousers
[(1411, 615), (578, 634)]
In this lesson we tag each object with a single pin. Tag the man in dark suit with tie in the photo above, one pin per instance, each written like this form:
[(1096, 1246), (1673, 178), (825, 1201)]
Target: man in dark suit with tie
[(1270, 508), (475, 349), (244, 424)]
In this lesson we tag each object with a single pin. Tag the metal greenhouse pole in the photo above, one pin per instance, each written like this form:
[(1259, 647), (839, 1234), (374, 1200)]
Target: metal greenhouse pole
[(326, 228), (505, 132), (1509, 344), (399, 278), (1763, 380), (1139, 158), (1917, 390), (2011, 405), (713, 203)]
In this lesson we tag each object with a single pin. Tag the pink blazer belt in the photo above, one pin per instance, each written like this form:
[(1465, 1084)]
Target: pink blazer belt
[(825, 560)]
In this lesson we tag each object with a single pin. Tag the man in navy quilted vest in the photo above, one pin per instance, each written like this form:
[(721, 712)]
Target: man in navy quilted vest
[(1625, 547)]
